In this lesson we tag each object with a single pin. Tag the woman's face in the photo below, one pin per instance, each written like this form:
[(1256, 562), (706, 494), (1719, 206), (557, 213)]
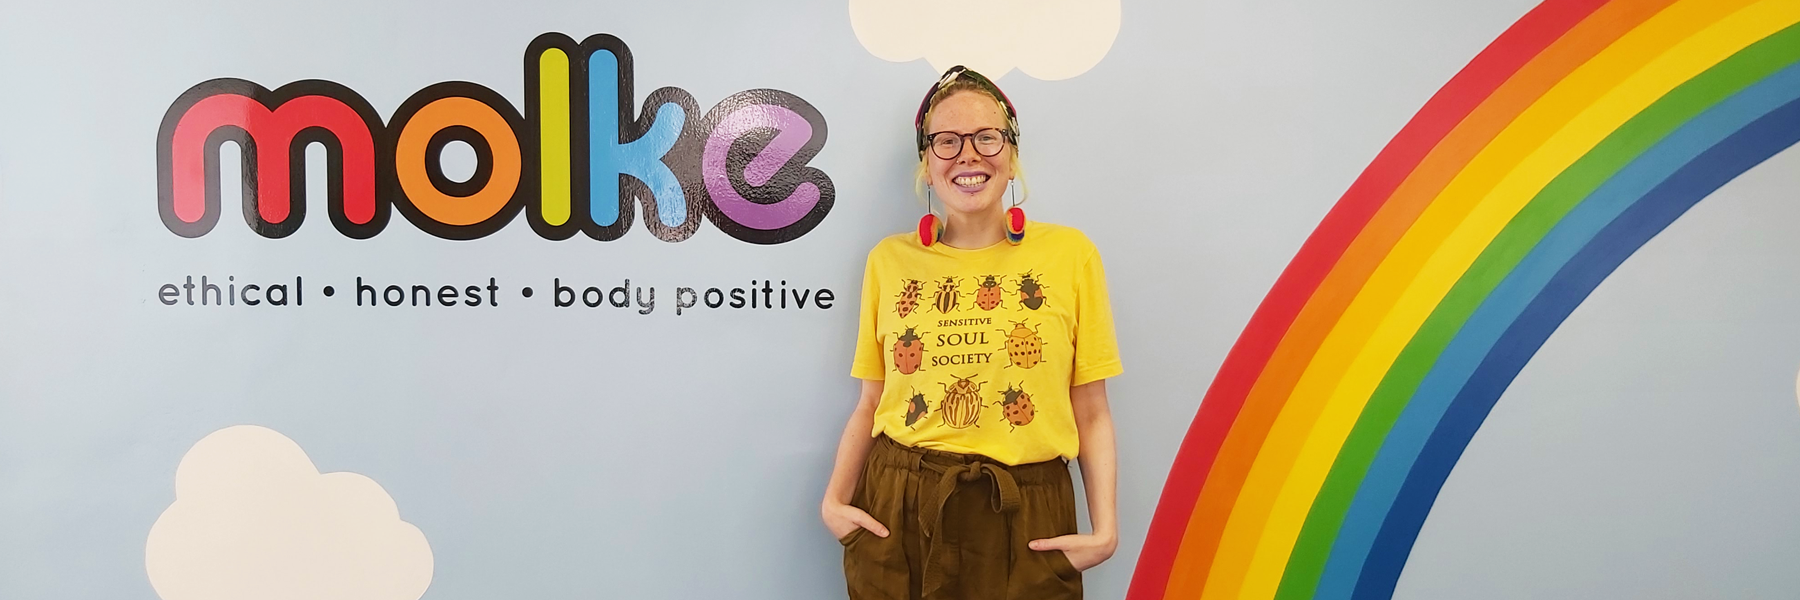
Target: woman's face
[(969, 183)]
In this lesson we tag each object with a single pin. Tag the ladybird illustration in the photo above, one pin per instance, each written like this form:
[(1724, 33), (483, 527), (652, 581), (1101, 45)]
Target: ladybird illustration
[(916, 408), (947, 296), (1016, 407), (907, 352), (909, 297), (1031, 292), (988, 295), (1024, 346), (961, 406)]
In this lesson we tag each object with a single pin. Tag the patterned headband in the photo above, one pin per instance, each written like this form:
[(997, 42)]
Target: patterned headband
[(1012, 114)]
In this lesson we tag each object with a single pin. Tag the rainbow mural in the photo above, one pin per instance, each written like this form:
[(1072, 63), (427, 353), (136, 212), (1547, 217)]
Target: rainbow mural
[(1570, 141)]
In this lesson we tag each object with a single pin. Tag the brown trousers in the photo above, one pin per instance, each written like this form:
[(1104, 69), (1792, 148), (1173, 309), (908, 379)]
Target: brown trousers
[(958, 525)]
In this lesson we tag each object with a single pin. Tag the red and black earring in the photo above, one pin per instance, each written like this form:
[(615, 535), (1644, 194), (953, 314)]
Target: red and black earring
[(1015, 217), (931, 228)]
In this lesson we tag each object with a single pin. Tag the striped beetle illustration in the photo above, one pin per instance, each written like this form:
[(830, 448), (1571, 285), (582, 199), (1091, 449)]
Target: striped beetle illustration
[(961, 406), (947, 296)]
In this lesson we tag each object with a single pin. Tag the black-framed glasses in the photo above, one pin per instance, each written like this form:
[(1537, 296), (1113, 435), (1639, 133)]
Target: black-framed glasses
[(948, 145)]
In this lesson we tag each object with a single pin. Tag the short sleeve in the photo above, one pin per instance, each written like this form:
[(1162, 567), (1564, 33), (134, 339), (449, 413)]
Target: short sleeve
[(869, 362), (1096, 347)]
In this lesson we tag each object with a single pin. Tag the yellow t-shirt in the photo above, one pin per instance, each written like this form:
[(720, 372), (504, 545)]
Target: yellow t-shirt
[(978, 348)]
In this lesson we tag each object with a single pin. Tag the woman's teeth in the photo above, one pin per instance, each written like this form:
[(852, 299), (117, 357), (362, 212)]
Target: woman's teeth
[(971, 180)]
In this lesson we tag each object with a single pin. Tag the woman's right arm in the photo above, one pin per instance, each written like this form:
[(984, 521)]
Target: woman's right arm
[(853, 449)]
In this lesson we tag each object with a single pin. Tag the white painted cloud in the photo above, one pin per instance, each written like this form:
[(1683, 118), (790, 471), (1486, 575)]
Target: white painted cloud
[(254, 519), (1047, 39)]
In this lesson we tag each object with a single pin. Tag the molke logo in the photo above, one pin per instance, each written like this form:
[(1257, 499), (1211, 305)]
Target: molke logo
[(575, 161)]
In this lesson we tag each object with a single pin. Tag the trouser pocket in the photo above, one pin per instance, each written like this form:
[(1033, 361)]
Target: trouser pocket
[(1046, 511), (875, 567)]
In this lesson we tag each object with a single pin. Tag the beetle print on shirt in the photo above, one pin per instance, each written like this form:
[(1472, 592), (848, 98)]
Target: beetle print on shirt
[(987, 295), (948, 297), (916, 408), (961, 406), (1016, 407), (1031, 291), (908, 297), (1024, 347), (909, 351)]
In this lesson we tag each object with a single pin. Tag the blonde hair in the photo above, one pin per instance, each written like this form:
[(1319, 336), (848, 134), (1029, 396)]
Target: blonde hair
[(922, 174)]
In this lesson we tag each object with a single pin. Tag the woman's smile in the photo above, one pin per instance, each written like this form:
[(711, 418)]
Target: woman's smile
[(971, 182)]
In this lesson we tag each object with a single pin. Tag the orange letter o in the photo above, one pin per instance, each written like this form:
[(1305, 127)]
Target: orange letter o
[(409, 161)]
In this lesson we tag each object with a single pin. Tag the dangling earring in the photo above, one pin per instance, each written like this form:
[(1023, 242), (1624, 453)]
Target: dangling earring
[(930, 227), (1015, 217)]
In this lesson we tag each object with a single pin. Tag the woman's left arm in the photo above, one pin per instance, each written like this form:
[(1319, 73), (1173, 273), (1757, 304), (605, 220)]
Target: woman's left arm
[(1099, 477)]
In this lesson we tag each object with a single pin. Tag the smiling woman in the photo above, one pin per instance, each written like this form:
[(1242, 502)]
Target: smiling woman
[(929, 502), (958, 108)]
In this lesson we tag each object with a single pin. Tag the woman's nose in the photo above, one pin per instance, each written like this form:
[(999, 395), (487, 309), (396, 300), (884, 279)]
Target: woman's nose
[(968, 153)]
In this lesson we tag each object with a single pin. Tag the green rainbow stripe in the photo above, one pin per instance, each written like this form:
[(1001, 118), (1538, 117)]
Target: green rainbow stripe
[(1571, 140)]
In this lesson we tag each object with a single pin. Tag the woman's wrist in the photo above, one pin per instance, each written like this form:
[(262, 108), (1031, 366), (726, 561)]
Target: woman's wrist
[(1109, 535)]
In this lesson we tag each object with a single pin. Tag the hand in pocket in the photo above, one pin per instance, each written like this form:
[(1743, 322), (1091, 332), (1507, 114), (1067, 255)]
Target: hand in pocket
[(843, 519), (1083, 551)]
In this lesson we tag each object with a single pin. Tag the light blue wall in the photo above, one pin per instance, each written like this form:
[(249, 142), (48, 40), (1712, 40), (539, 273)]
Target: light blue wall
[(1651, 450)]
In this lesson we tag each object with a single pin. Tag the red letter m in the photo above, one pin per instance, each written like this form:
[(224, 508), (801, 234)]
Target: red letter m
[(273, 130)]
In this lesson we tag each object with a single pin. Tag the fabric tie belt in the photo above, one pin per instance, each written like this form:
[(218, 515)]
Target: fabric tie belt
[(931, 515)]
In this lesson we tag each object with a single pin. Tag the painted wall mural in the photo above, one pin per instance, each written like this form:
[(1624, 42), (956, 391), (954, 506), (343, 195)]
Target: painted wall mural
[(294, 305), (253, 518), (578, 160), (1576, 136)]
